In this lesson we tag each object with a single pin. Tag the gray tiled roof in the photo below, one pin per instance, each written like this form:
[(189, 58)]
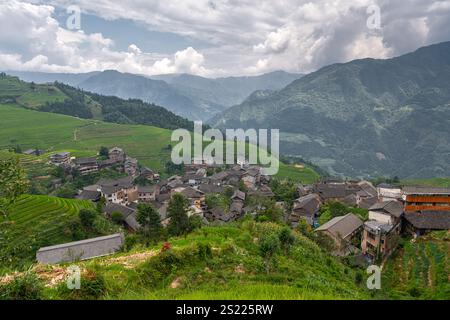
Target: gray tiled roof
[(429, 220), (426, 190), (342, 226), (393, 207)]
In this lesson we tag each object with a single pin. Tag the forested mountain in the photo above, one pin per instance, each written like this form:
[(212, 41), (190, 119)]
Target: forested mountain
[(192, 97), (363, 118), (64, 99)]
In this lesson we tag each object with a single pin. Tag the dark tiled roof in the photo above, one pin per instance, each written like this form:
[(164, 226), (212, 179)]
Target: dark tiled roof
[(350, 200), (309, 203), (429, 220), (163, 197), (426, 190), (393, 207), (190, 193), (125, 182), (328, 191), (236, 207), (238, 194), (114, 207), (146, 189), (89, 195), (368, 202), (210, 188), (342, 226), (128, 214), (219, 176)]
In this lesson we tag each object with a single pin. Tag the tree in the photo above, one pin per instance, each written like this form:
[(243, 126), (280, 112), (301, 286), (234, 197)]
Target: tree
[(13, 183), (117, 217), (178, 208), (104, 152), (100, 205), (150, 221), (87, 217), (195, 222), (268, 247)]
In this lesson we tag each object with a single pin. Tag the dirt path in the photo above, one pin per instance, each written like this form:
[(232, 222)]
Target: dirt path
[(52, 275)]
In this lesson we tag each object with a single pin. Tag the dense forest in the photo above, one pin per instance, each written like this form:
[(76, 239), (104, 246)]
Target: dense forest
[(112, 109)]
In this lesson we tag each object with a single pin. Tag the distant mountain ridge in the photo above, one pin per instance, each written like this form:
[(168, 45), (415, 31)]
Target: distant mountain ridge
[(193, 97), (363, 118)]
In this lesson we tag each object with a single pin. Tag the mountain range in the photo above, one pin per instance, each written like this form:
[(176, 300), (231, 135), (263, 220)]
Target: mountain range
[(363, 118), (193, 97)]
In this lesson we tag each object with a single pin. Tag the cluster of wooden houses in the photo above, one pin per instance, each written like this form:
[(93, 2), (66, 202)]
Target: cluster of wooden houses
[(123, 195), (392, 210), (117, 159)]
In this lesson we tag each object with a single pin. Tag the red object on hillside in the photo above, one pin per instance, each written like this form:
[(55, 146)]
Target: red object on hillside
[(166, 246)]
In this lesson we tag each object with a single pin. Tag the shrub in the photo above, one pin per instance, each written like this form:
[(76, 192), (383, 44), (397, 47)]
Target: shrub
[(130, 241), (87, 217), (158, 268), (286, 238), (117, 217), (204, 251), (25, 287), (268, 247), (92, 287)]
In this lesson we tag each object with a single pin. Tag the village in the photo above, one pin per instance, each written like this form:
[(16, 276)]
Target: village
[(393, 211)]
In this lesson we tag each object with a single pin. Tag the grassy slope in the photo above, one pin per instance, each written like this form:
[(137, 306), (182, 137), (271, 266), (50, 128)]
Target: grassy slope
[(235, 270), (27, 94), (36, 221), (33, 129), (434, 182), (420, 269)]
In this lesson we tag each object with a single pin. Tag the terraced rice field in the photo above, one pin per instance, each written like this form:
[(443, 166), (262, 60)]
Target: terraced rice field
[(421, 269), (36, 221)]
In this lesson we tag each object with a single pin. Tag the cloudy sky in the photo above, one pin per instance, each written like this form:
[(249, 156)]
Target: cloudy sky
[(212, 38)]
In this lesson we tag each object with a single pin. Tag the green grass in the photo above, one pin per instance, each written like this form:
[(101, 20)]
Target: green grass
[(33, 222), (54, 132), (27, 94), (306, 272), (305, 175), (420, 269)]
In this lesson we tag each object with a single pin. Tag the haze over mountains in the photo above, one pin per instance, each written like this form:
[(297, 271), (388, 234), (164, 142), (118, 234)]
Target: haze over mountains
[(192, 97), (363, 118)]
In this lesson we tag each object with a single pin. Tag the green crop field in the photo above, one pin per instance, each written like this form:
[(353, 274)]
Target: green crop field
[(54, 132), (33, 222), (420, 269), (27, 94)]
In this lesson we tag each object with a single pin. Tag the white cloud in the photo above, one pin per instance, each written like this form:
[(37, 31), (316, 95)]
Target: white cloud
[(247, 36)]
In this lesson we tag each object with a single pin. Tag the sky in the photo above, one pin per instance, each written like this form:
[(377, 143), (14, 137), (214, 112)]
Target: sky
[(212, 38)]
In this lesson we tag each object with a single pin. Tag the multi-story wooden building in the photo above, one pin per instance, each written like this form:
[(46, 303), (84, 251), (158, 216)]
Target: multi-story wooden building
[(426, 198), (60, 158)]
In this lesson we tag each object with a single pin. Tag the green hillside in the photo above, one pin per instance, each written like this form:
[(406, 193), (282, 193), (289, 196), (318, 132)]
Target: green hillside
[(219, 263), (64, 99), (34, 222), (54, 132)]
